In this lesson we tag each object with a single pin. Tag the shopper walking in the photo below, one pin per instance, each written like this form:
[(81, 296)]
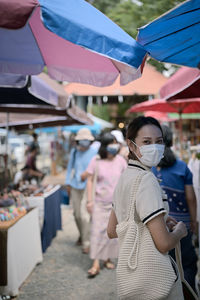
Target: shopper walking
[(107, 169), (176, 180), (139, 219), (80, 156)]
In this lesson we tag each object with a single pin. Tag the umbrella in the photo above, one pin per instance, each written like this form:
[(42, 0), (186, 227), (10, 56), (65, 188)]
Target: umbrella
[(179, 106), (174, 37), (31, 90), (185, 83), (32, 121), (37, 94), (74, 40)]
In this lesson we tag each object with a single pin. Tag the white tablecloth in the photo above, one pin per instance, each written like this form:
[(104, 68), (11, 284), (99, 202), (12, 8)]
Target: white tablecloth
[(38, 201), (23, 251)]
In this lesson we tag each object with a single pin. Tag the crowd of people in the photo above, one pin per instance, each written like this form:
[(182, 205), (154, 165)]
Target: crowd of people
[(134, 200)]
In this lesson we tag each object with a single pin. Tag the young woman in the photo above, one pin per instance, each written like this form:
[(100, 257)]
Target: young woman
[(108, 168), (146, 148)]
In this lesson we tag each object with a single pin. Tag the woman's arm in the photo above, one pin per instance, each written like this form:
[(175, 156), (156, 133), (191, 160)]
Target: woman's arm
[(163, 239), (192, 205), (89, 192), (112, 223)]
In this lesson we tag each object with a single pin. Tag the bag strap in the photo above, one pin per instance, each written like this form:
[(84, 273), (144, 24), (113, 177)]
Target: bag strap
[(132, 211), (189, 289), (179, 260), (134, 190)]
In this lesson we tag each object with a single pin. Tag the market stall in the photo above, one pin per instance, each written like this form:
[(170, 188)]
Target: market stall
[(20, 251), (48, 203)]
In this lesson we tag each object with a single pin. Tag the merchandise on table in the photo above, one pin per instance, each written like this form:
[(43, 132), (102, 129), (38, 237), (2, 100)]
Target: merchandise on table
[(13, 206)]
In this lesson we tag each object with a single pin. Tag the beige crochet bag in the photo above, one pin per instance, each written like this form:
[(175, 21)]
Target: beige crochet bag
[(143, 273)]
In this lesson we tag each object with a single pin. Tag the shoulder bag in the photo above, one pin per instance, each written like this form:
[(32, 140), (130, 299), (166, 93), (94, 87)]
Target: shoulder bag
[(84, 213), (143, 273)]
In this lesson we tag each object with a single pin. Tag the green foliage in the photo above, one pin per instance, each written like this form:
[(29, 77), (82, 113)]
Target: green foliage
[(122, 108), (101, 111), (105, 6), (132, 14)]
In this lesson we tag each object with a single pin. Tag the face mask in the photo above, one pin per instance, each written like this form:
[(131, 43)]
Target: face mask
[(151, 154), (84, 143), (113, 149)]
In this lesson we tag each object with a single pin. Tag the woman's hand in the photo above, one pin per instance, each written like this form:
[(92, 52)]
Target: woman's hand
[(89, 206), (84, 176), (68, 188), (180, 229), (171, 222)]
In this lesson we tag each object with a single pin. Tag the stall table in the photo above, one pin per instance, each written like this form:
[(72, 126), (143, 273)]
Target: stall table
[(49, 214), (20, 252)]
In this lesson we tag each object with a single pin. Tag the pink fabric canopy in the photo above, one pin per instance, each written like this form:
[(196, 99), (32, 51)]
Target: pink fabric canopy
[(185, 83)]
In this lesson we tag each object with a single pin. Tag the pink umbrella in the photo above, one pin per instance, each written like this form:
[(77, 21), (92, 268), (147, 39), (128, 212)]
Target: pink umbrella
[(185, 83), (179, 106)]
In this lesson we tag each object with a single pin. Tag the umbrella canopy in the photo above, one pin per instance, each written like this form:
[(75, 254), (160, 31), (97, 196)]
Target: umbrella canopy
[(22, 96), (31, 121), (59, 34), (174, 37), (37, 94), (30, 90), (178, 106), (185, 83)]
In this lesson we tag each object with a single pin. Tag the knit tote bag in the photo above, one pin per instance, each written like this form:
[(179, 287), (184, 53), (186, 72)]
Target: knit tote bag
[(143, 273)]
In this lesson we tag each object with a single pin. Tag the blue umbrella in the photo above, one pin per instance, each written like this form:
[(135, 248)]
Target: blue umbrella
[(175, 36)]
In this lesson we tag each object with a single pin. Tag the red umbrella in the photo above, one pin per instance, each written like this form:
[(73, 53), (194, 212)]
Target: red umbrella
[(180, 106), (185, 83)]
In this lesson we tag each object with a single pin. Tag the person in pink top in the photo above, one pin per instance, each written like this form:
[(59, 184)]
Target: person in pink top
[(108, 166)]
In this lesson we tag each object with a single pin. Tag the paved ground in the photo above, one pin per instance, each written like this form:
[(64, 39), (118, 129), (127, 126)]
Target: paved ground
[(62, 274)]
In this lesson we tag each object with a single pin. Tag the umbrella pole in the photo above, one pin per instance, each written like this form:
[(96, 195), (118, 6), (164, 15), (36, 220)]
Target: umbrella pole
[(181, 134), (6, 154), (7, 130)]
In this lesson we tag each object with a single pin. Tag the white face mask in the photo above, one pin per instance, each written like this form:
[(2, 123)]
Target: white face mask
[(151, 154)]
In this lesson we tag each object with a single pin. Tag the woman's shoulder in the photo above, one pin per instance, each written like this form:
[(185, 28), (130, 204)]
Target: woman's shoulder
[(180, 166)]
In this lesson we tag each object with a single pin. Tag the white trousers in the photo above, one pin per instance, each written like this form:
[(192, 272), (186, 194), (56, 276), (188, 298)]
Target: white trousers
[(83, 226)]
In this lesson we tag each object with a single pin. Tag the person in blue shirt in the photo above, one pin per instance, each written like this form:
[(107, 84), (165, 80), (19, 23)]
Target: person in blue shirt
[(79, 159), (176, 180)]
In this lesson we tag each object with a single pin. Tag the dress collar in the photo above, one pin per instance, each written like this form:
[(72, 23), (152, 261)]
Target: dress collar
[(139, 164)]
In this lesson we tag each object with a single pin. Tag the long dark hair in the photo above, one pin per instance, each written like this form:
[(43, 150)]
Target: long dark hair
[(106, 139), (135, 125), (169, 157)]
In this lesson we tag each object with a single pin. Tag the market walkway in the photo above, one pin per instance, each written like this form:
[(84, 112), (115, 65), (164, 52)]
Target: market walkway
[(62, 274)]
